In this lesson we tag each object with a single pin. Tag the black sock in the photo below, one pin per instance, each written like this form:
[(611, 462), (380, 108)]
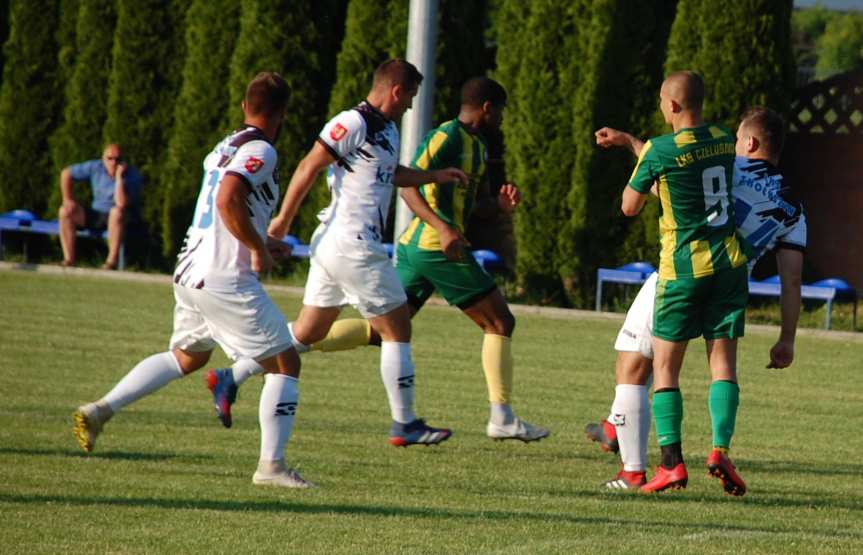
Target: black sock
[(671, 455)]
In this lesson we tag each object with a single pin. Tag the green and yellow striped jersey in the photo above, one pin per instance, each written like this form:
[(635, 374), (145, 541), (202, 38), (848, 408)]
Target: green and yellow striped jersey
[(693, 169), (449, 145)]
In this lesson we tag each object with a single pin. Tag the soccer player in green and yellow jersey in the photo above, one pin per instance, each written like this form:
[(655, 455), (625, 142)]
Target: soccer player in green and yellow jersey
[(432, 253), (702, 287)]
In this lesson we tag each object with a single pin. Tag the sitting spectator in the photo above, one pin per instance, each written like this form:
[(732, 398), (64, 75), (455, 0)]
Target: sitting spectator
[(116, 186)]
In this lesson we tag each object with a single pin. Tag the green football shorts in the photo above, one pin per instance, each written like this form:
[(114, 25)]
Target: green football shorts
[(712, 306), (461, 283)]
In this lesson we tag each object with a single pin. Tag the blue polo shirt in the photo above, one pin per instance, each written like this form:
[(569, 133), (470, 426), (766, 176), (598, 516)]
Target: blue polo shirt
[(103, 184)]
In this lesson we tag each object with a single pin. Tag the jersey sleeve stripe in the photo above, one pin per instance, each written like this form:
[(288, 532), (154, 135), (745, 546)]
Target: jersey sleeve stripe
[(644, 150), (423, 161), (330, 149)]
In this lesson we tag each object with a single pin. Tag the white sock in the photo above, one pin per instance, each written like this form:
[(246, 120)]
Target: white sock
[(276, 410), (630, 415), (300, 347), (501, 414), (244, 369), (397, 373), (149, 375)]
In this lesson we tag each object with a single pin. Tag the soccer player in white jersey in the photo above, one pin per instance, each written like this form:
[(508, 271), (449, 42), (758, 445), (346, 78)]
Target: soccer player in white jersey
[(349, 264), (769, 221), (219, 299)]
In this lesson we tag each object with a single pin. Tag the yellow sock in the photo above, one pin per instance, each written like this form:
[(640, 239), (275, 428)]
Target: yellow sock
[(497, 365), (344, 335)]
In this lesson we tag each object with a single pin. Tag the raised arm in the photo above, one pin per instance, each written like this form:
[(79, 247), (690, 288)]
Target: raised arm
[(608, 137), (790, 264), (304, 177)]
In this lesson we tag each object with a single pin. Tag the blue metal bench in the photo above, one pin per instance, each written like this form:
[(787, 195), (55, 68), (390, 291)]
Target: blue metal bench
[(827, 290), (23, 221), (634, 273), (771, 287)]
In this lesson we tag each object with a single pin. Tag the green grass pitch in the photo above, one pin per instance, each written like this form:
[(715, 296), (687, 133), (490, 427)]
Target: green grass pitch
[(166, 477)]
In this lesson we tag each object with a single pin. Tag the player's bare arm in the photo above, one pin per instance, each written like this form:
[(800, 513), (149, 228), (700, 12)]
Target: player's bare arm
[(790, 264), (120, 197), (409, 177), (231, 203), (633, 201), (304, 177), (452, 242), (608, 137)]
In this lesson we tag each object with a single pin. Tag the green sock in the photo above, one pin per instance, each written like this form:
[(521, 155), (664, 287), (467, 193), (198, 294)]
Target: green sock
[(668, 415), (723, 400)]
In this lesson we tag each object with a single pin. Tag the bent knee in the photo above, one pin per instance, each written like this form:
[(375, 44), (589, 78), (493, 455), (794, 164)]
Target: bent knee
[(307, 335), (190, 361), (503, 324)]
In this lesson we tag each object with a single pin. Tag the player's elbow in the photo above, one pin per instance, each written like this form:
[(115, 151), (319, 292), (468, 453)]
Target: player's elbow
[(629, 209)]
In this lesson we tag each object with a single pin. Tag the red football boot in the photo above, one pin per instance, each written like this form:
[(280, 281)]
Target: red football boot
[(605, 434), (720, 466), (664, 479)]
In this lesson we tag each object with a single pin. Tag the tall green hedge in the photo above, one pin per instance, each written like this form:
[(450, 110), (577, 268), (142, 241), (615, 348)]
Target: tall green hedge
[(461, 52), (144, 81), (29, 99), (79, 137), (623, 45), (301, 48), (67, 49), (743, 51), (4, 31), (213, 26), (537, 61), (840, 48), (375, 30)]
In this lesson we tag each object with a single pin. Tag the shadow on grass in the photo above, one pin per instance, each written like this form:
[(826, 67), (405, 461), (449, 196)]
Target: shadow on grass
[(107, 455), (797, 467), (294, 506), (714, 496)]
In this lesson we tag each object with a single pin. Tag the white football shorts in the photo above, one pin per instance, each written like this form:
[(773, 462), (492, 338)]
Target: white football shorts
[(636, 335), (244, 323), (352, 272)]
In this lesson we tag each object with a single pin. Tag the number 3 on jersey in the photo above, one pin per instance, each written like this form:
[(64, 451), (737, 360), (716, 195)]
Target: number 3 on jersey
[(205, 201), (715, 195)]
